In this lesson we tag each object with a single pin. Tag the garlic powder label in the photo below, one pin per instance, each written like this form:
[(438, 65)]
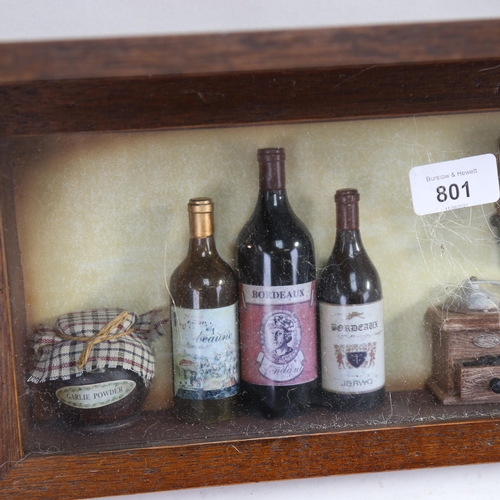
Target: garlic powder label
[(95, 395)]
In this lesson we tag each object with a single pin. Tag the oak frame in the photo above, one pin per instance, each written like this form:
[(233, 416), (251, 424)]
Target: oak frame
[(229, 80)]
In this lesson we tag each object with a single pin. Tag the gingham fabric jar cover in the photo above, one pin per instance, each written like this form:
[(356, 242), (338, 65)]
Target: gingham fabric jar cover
[(57, 355)]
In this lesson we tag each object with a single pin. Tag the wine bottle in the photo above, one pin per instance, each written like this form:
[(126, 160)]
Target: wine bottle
[(204, 325), (277, 288), (351, 317)]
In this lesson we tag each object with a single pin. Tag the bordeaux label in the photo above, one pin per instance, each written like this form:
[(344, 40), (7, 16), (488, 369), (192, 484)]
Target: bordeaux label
[(352, 347), (278, 334), (95, 395), (205, 352)]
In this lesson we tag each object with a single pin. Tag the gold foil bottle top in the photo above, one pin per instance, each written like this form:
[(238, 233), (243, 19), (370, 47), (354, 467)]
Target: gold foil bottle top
[(201, 205), (200, 217)]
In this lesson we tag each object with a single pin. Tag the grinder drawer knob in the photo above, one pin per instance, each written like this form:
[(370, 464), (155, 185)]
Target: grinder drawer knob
[(495, 385)]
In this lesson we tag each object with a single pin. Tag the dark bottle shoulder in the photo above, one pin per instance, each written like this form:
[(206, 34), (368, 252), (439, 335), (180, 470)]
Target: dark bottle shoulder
[(279, 242), (275, 247), (352, 280), (273, 214), (351, 273), (283, 232)]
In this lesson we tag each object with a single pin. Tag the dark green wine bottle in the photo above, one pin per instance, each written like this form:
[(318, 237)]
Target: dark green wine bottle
[(351, 318), (277, 282)]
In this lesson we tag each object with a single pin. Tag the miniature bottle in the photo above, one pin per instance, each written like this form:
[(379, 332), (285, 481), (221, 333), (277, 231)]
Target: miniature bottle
[(277, 286), (351, 318), (204, 326)]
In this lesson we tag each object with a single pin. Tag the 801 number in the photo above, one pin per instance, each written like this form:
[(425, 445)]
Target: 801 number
[(453, 192)]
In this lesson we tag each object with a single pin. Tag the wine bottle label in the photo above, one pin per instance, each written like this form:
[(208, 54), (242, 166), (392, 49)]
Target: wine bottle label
[(205, 352), (95, 395), (352, 347), (278, 334)]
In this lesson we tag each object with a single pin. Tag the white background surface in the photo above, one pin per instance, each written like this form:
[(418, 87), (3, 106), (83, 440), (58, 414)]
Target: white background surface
[(53, 19), (457, 483), (69, 19)]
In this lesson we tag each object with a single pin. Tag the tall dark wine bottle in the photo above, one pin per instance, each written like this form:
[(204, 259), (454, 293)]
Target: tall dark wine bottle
[(277, 287), (351, 317), (204, 326)]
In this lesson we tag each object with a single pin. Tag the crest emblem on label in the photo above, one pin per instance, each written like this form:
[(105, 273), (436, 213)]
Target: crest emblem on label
[(356, 359)]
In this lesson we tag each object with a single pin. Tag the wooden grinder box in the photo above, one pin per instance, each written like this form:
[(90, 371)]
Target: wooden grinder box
[(465, 356)]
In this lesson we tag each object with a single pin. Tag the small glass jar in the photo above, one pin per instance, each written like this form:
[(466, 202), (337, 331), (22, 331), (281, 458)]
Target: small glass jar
[(97, 366)]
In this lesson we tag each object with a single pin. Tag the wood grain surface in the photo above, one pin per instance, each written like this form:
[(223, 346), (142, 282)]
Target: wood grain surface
[(474, 383), (248, 99), (11, 414), (257, 51), (200, 465)]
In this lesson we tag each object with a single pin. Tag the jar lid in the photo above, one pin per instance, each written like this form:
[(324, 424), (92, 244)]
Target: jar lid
[(125, 344)]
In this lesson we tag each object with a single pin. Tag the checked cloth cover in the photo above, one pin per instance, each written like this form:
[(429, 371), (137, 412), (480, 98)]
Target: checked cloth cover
[(56, 358)]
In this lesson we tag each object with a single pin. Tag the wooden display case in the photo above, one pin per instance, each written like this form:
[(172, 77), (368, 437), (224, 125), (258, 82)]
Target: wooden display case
[(213, 81)]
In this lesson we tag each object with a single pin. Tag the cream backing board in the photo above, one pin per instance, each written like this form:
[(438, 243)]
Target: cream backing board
[(102, 218)]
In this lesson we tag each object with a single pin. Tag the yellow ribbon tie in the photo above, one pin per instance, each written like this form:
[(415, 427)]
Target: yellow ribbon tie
[(99, 337)]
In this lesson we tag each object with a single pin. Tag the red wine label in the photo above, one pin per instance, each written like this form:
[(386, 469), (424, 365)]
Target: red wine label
[(95, 395), (278, 334), (205, 352), (352, 347)]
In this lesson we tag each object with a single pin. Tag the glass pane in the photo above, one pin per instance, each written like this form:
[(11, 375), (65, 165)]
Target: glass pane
[(102, 223)]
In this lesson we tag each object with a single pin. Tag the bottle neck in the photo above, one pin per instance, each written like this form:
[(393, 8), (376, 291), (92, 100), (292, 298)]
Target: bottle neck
[(348, 242), (272, 183), (202, 247), (201, 232), (348, 238), (272, 174), (347, 216)]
